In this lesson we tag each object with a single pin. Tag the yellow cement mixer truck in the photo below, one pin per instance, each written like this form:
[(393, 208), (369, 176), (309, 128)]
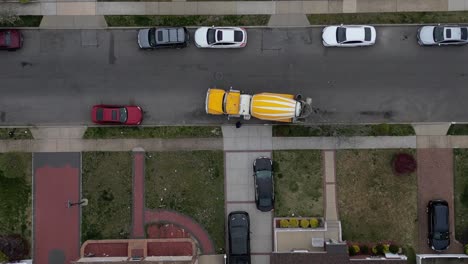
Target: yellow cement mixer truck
[(266, 106)]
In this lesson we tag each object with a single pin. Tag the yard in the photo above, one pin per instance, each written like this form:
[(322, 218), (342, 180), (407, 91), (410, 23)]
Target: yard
[(153, 132), (298, 183), (107, 184), (461, 195), (15, 194), (373, 204), (190, 182)]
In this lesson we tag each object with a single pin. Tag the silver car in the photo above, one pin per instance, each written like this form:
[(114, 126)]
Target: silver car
[(442, 35), (171, 37), (348, 36)]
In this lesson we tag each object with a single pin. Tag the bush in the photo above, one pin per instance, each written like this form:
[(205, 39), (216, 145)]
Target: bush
[(352, 251), (356, 249), (378, 249), (404, 163), (466, 249), (364, 249), (304, 223), (314, 222), (3, 257), (284, 223), (394, 249), (293, 222), (386, 248), (14, 247)]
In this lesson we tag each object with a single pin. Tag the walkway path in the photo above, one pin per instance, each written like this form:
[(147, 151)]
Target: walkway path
[(90, 7)]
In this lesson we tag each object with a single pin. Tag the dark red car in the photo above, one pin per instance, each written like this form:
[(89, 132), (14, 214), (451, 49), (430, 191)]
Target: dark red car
[(117, 115), (10, 39)]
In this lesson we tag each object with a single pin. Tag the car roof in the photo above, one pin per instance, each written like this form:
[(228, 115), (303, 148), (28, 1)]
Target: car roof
[(225, 35), (455, 33), (354, 33), (170, 35), (441, 218)]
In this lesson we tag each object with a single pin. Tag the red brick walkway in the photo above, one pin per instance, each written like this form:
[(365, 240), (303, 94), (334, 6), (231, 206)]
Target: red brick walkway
[(138, 195)]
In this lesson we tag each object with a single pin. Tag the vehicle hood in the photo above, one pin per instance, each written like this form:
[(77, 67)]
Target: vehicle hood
[(440, 244), (143, 39), (426, 35), (329, 35), (200, 37), (134, 115)]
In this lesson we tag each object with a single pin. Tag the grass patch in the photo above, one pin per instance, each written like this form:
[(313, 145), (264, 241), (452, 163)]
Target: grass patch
[(343, 130), (107, 184), (298, 183), (178, 21), (153, 132), (374, 204), (16, 194), (389, 18), (458, 129), (24, 21), (461, 195), (15, 133), (192, 183)]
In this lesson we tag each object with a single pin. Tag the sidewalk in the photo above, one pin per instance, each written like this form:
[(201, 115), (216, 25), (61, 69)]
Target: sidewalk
[(69, 8)]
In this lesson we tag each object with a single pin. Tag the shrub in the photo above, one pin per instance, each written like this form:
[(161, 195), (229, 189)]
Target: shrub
[(284, 223), (364, 249), (352, 251), (404, 163), (14, 247), (304, 223), (378, 249), (293, 222), (356, 249), (394, 248), (314, 222), (386, 248), (466, 249), (3, 257)]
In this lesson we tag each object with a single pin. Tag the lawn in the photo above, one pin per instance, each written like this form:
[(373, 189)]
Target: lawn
[(461, 195), (179, 21), (458, 129), (343, 130), (298, 183), (190, 182), (20, 21), (107, 184), (16, 194), (153, 132), (389, 18), (15, 133), (373, 204)]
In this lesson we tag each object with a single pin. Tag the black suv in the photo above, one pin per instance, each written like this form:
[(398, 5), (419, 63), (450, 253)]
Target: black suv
[(264, 185), (438, 222), (170, 37), (239, 238)]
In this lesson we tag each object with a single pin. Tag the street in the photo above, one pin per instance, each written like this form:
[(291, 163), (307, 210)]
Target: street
[(60, 74)]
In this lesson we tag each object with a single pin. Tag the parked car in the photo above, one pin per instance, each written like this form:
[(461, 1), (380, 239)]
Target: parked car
[(170, 37), (442, 35), (117, 115), (438, 237), (239, 238), (10, 39), (220, 37), (348, 36), (264, 185)]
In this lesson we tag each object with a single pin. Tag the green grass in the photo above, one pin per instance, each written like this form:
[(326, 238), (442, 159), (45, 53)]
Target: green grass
[(16, 194), (192, 183), (298, 183), (343, 130), (458, 129), (375, 205), (153, 132), (17, 133), (389, 18), (24, 21), (461, 194), (176, 21), (107, 184)]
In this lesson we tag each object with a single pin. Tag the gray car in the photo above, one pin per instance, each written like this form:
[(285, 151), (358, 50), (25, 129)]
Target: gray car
[(170, 37), (442, 35)]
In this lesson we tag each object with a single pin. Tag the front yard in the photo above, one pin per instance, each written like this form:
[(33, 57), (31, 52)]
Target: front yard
[(107, 184), (298, 183), (16, 194), (461, 195), (375, 205), (190, 182)]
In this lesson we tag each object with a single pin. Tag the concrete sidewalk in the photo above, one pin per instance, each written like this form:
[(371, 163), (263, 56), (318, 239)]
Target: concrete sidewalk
[(69, 8)]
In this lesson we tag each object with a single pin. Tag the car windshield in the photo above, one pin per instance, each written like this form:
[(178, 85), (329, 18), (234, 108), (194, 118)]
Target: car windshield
[(6, 39), (263, 174), (438, 34), (210, 36), (152, 37), (265, 201), (441, 235), (99, 114), (367, 34), (341, 34), (123, 115), (464, 33)]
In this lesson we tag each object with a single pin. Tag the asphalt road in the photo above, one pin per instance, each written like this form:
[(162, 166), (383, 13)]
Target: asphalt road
[(60, 74)]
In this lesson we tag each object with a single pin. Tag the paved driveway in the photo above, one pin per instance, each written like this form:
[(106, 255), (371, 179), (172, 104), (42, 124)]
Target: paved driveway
[(59, 74)]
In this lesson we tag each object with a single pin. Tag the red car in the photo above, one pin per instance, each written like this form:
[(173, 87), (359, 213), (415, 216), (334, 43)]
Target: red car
[(117, 115), (10, 39)]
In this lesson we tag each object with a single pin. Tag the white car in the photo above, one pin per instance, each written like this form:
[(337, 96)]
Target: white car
[(348, 36), (221, 37), (442, 35)]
